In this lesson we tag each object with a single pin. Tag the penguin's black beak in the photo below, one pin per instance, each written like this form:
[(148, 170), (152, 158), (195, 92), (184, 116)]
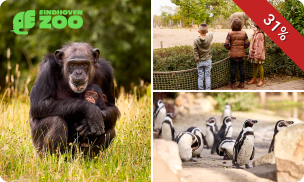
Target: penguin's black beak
[(289, 122), (172, 116), (233, 118), (255, 121)]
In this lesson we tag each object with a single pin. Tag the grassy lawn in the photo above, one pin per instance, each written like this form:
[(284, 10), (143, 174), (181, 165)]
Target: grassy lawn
[(127, 159)]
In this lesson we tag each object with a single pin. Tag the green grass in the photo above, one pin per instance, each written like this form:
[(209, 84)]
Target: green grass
[(127, 159)]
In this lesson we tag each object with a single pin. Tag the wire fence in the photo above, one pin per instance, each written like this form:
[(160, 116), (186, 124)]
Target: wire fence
[(188, 79)]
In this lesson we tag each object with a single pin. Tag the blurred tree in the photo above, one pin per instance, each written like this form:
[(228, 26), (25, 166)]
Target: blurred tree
[(121, 29), (192, 10), (222, 7)]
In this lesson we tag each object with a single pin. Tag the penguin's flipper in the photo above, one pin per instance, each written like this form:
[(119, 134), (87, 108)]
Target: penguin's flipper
[(216, 129), (271, 147), (253, 152), (216, 142), (205, 140), (220, 153), (173, 132), (160, 131), (235, 153)]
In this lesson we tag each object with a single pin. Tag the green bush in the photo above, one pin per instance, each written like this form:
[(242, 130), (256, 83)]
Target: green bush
[(239, 101), (293, 12), (181, 58)]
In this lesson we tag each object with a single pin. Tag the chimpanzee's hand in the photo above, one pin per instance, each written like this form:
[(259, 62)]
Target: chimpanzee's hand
[(95, 120), (83, 129)]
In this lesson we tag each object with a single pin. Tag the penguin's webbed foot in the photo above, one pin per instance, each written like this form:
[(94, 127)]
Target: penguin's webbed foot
[(247, 166), (183, 160), (199, 156), (193, 160), (238, 167), (226, 157)]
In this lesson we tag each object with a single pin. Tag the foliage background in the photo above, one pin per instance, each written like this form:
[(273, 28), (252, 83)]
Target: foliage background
[(121, 29), (212, 11), (293, 12)]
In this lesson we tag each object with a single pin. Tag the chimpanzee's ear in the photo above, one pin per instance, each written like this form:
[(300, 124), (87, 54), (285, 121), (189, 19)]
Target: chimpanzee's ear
[(104, 97), (96, 54), (59, 56)]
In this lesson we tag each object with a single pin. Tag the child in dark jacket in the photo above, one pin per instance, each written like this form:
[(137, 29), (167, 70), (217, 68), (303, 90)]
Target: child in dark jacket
[(236, 42)]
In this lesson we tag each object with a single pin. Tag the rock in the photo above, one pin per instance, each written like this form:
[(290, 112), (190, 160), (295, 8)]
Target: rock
[(266, 159), (181, 99), (167, 151), (267, 171), (202, 105), (212, 100), (161, 170), (289, 153)]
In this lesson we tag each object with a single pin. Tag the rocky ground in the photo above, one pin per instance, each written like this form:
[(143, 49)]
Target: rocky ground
[(212, 167)]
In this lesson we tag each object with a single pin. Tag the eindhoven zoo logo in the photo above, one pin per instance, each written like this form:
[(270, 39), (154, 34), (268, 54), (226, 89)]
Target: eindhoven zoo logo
[(26, 20)]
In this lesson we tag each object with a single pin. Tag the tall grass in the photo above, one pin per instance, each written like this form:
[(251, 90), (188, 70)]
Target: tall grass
[(127, 159)]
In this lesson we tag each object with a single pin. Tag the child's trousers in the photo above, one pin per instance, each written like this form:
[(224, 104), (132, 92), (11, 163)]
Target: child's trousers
[(241, 69), (204, 72)]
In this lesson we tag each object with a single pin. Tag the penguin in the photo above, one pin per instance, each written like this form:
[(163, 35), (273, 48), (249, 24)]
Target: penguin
[(167, 131), (226, 111), (225, 131), (211, 131), (225, 148), (279, 125), (243, 149), (196, 131), (187, 144), (159, 114)]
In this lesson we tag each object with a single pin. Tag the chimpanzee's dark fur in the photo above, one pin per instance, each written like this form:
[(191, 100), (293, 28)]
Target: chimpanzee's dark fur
[(55, 107)]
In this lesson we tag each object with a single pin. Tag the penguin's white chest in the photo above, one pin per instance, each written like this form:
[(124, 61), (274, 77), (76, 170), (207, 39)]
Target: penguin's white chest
[(166, 132), (246, 150), (228, 146), (209, 137), (226, 112), (160, 118), (184, 147), (229, 132), (199, 149)]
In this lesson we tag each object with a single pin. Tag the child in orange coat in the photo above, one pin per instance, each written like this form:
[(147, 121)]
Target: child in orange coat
[(257, 54)]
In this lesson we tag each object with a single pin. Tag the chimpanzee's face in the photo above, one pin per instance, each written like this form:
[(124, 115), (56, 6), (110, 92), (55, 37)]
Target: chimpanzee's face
[(91, 96), (77, 62)]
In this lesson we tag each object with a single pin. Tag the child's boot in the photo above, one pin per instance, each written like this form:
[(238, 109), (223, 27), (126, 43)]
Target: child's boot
[(260, 83), (252, 81), (232, 86), (241, 85)]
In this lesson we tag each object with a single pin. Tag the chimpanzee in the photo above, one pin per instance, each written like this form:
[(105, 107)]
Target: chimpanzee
[(93, 94), (55, 101)]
